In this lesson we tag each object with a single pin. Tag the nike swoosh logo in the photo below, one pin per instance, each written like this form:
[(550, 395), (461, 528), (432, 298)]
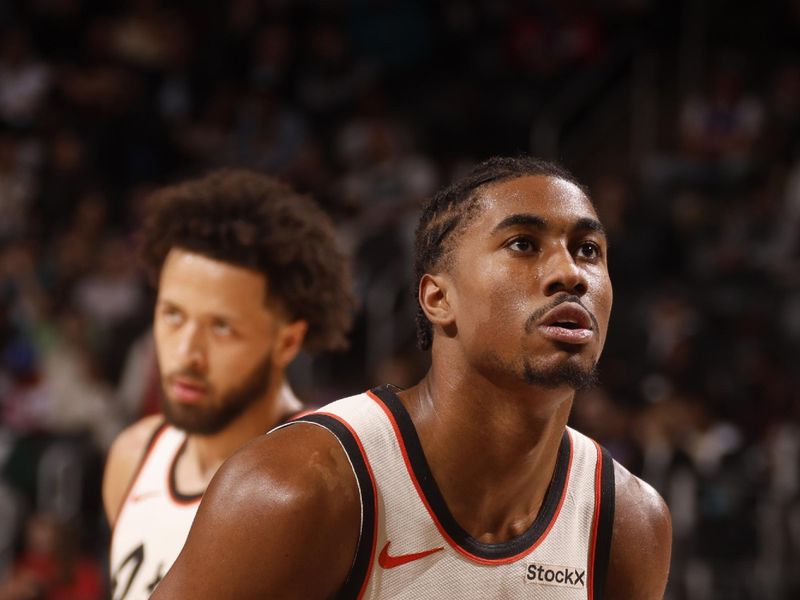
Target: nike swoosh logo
[(390, 562), (144, 495)]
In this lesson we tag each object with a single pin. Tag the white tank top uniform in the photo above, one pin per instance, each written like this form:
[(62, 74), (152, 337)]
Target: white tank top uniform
[(154, 521), (410, 546), (155, 517)]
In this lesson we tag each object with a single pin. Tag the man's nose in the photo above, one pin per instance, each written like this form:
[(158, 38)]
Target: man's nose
[(563, 274), (191, 346)]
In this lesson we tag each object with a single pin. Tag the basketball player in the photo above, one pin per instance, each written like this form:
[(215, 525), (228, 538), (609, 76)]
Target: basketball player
[(469, 484), (247, 273)]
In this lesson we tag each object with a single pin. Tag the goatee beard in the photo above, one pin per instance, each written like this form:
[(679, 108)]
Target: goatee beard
[(567, 374)]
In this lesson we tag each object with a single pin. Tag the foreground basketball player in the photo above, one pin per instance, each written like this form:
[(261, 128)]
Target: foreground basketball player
[(248, 273), (469, 484)]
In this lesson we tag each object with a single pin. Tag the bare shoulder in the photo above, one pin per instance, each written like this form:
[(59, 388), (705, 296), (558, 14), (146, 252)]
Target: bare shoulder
[(123, 460), (288, 499), (641, 540), (291, 468)]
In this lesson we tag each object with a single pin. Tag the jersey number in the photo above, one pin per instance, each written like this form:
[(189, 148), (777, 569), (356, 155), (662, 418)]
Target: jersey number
[(133, 562)]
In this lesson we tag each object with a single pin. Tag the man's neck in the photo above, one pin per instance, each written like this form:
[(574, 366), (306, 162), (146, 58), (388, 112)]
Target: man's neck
[(205, 453), (491, 450)]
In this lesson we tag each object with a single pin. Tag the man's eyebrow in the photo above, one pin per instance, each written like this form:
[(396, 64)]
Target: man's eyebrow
[(214, 314), (521, 219), (587, 223), (537, 222)]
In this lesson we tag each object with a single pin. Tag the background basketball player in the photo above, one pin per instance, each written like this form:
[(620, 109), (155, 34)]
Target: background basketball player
[(248, 273)]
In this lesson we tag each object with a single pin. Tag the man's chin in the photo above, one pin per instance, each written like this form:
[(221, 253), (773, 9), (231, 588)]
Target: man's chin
[(566, 375), (191, 418)]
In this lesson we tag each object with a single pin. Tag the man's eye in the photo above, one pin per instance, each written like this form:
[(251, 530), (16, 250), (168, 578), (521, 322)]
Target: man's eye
[(172, 316), (221, 328), (521, 245), (589, 250)]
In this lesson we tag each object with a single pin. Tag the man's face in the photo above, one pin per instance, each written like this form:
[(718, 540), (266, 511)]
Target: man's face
[(215, 338), (531, 292)]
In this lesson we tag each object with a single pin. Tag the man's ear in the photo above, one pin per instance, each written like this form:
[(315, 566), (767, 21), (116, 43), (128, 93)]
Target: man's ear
[(434, 299), (289, 342)]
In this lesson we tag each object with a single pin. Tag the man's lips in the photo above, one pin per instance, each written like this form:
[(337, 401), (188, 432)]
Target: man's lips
[(568, 323), (187, 390)]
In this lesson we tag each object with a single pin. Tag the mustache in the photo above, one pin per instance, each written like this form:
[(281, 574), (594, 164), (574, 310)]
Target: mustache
[(536, 316), (188, 373)]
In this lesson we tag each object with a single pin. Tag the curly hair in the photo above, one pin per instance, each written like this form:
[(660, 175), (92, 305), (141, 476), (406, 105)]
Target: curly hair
[(451, 209), (254, 221)]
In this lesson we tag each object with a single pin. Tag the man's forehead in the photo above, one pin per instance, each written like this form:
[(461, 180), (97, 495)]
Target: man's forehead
[(546, 196), (190, 277)]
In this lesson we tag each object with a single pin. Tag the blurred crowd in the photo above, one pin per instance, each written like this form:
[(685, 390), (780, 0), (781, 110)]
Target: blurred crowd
[(369, 106)]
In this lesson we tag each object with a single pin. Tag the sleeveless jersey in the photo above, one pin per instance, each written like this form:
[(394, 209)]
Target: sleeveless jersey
[(155, 518), (411, 547), (154, 521)]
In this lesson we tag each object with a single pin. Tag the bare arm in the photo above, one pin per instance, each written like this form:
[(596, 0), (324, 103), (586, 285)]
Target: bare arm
[(641, 541), (280, 520), (123, 460)]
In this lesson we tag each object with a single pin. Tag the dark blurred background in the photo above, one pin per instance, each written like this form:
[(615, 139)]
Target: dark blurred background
[(681, 116)]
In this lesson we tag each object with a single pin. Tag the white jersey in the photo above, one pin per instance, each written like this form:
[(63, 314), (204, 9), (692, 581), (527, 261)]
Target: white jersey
[(154, 521), (155, 517), (411, 547)]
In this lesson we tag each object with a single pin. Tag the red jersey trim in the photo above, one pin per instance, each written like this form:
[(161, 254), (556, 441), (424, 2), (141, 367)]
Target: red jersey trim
[(172, 484), (374, 544), (151, 443), (598, 498), (452, 542)]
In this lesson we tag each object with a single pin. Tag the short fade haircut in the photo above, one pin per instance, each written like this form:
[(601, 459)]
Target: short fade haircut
[(451, 209), (254, 221)]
